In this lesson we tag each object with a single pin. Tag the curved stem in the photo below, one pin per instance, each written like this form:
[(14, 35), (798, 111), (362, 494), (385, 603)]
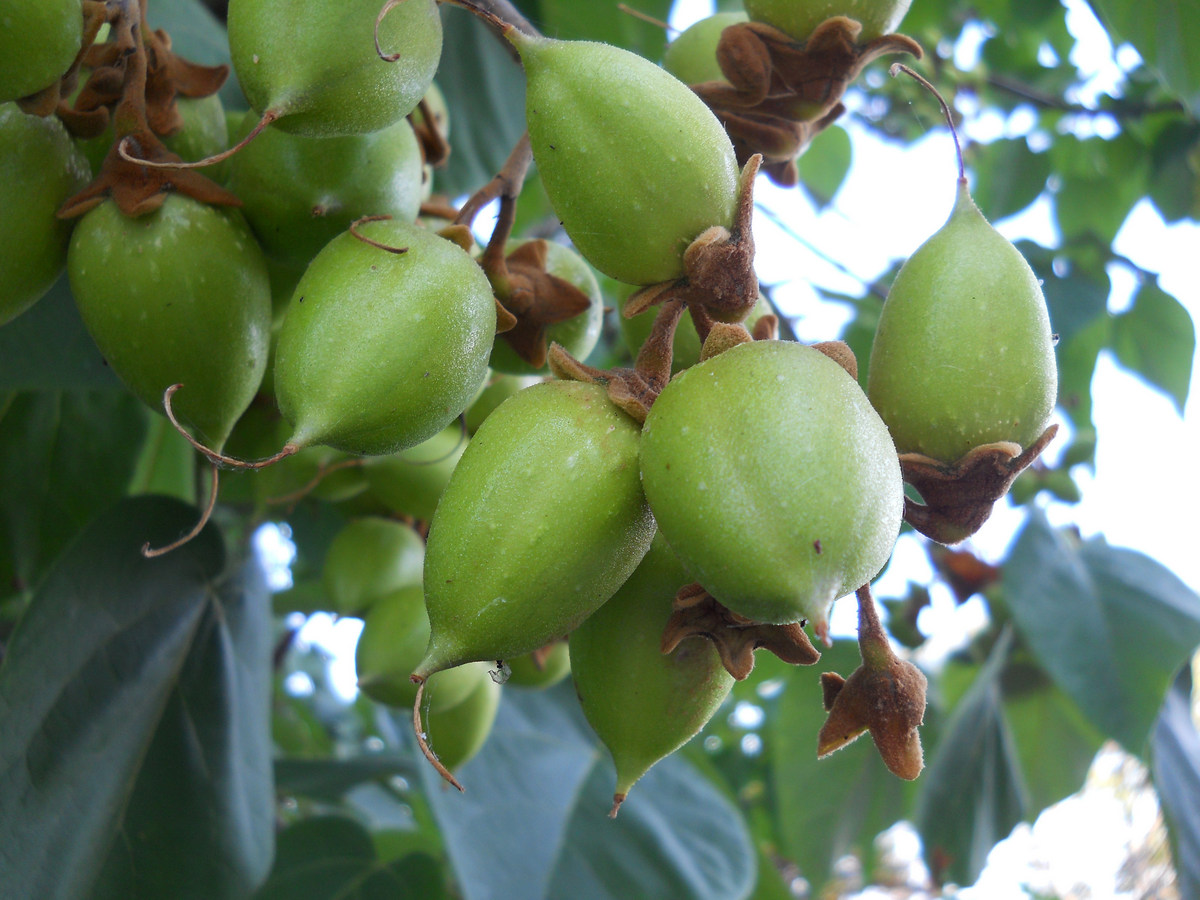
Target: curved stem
[(123, 149), (212, 455), (197, 528), (420, 733), (901, 67)]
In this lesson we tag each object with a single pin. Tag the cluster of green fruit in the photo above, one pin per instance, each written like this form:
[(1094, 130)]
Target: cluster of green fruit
[(628, 509)]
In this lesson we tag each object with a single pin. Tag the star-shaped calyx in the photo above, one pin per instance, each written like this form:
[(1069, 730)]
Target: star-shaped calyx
[(780, 93), (884, 696), (697, 612), (959, 496)]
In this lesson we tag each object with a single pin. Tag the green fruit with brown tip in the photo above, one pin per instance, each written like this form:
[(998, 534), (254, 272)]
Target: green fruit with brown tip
[(456, 733), (542, 521), (692, 56), (644, 704), (38, 42), (177, 296), (963, 353), (798, 18), (538, 670), (370, 558), (39, 169), (299, 193), (773, 480), (634, 163), (392, 642), (411, 482), (314, 64), (379, 350)]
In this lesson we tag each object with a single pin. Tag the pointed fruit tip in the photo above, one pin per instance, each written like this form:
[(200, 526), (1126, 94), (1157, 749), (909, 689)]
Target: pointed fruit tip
[(618, 799)]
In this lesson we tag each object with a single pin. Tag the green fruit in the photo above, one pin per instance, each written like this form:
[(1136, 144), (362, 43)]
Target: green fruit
[(685, 351), (300, 192), (963, 354), (634, 163), (380, 351), (314, 64), (392, 642), (528, 673), (577, 335), (39, 169), (773, 479), (411, 482), (692, 56), (38, 42), (644, 704), (179, 295), (543, 520), (458, 732), (799, 18), (368, 559), (498, 389)]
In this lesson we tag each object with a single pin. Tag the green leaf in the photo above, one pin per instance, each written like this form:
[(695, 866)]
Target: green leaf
[(824, 165), (1175, 181), (1175, 755), (833, 806), (47, 348), (972, 793), (603, 20), (1076, 365), (1165, 33), (1157, 339), (1041, 716), (333, 858), (1008, 176), (1100, 181), (134, 761), (64, 456), (484, 88), (540, 791), (1111, 626), (329, 779)]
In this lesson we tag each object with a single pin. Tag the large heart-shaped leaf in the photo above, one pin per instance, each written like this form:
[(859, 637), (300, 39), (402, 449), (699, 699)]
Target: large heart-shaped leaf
[(134, 759), (1111, 626), (533, 821)]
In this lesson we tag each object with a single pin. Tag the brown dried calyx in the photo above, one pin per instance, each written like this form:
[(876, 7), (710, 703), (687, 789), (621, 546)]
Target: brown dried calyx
[(134, 82), (779, 93), (697, 612), (959, 496), (885, 696)]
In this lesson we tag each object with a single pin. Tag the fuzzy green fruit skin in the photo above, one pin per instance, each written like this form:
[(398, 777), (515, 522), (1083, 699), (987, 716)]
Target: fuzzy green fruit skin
[(411, 482), (315, 62), (395, 632), (644, 704), (369, 558), (635, 165), (300, 192), (799, 18), (456, 733), (692, 57), (180, 295), (380, 351), (38, 42), (963, 354), (577, 335), (39, 169), (752, 457), (542, 521)]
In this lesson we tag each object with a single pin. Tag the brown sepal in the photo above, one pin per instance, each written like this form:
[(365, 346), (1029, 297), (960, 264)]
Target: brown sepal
[(632, 390), (885, 696), (965, 572), (780, 93), (697, 612), (536, 299), (959, 496), (840, 353)]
